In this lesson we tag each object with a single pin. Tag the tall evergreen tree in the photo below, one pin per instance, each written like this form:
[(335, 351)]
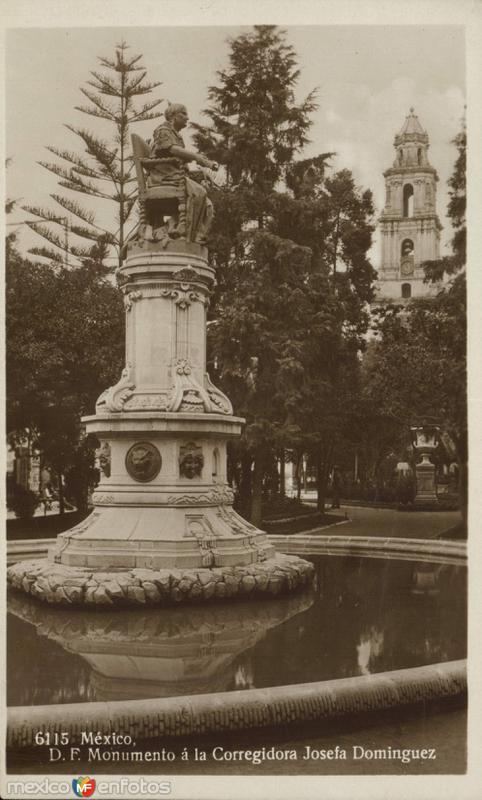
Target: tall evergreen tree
[(277, 319), (256, 125), (256, 128), (104, 169)]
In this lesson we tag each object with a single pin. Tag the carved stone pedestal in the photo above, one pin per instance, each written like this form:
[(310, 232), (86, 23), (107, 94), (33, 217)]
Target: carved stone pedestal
[(163, 502), (425, 442), (426, 485)]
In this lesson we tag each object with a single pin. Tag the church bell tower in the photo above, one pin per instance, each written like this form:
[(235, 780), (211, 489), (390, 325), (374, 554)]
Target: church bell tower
[(409, 225)]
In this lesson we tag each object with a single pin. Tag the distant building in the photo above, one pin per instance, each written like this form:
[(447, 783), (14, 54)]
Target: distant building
[(409, 224)]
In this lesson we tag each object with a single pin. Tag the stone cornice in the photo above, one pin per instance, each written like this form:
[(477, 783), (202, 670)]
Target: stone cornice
[(422, 217), (403, 171)]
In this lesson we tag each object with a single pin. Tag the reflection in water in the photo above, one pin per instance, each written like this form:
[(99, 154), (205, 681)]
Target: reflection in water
[(368, 616), (427, 577), (152, 653), (369, 649), (244, 676)]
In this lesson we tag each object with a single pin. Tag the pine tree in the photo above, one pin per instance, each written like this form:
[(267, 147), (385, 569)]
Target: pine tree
[(256, 129), (104, 169), (256, 126), (278, 325)]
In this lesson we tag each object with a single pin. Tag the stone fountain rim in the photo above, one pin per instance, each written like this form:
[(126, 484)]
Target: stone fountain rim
[(188, 715), (444, 550)]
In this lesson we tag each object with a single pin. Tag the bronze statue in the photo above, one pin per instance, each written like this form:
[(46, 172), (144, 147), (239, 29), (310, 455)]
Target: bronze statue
[(165, 185)]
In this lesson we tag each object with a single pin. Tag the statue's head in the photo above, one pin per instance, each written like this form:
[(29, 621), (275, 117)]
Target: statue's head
[(176, 115), (104, 458), (191, 460)]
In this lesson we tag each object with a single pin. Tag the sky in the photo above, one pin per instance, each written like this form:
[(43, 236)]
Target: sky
[(367, 77)]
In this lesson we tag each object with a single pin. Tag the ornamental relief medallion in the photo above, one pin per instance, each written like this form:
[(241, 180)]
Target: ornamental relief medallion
[(143, 461)]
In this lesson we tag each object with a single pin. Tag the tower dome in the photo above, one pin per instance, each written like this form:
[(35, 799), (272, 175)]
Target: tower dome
[(411, 144), (411, 128)]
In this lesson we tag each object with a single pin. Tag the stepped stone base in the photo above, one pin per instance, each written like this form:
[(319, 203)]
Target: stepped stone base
[(207, 533), (78, 586)]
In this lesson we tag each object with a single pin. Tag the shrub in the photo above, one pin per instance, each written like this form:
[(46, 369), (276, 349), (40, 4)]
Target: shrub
[(23, 502), (406, 489)]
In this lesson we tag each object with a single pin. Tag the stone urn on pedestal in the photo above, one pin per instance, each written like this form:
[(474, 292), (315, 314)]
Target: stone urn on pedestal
[(425, 442), (163, 529)]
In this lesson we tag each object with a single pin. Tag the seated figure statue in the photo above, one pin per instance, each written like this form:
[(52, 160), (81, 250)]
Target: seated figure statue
[(189, 207)]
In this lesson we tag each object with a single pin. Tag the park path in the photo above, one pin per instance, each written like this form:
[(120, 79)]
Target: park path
[(390, 522)]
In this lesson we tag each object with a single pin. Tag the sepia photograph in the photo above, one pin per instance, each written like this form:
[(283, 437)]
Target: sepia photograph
[(236, 401)]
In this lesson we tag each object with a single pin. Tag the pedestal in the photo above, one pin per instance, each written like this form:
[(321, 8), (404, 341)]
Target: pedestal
[(426, 485), (163, 508)]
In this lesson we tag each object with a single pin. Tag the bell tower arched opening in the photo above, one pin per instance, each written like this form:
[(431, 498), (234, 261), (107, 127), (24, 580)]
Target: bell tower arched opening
[(408, 200), (406, 291)]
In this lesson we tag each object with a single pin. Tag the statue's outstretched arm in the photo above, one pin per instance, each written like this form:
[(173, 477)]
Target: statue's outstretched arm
[(189, 155)]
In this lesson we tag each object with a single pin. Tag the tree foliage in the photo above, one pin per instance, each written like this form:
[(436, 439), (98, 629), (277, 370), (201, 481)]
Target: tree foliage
[(456, 210), (417, 368), (65, 344), (290, 249), (256, 124), (104, 169)]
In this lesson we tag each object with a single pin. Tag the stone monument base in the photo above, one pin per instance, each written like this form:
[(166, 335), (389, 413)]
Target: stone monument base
[(80, 586), (426, 483), (163, 529)]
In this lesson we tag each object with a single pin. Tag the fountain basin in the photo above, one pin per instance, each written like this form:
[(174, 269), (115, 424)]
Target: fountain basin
[(374, 634)]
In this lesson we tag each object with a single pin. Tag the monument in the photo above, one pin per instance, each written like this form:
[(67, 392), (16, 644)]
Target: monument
[(163, 529), (425, 442)]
